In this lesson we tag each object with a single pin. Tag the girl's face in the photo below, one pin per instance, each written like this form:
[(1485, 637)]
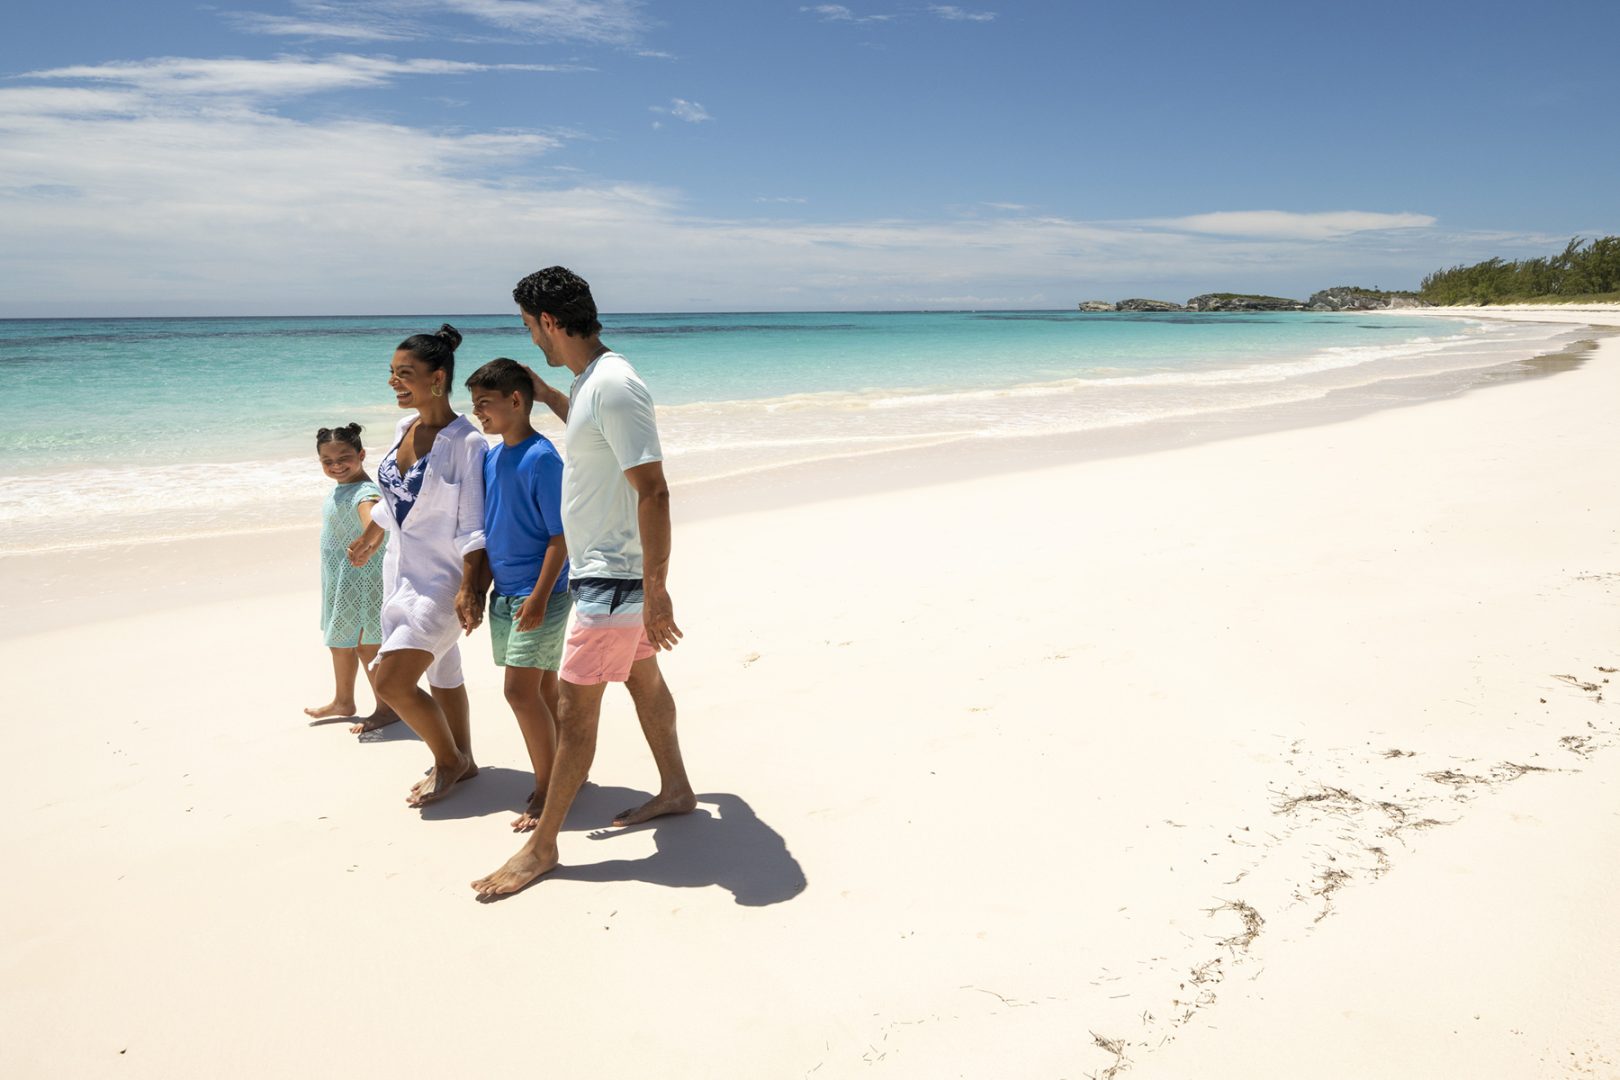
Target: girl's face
[(341, 462), (413, 381)]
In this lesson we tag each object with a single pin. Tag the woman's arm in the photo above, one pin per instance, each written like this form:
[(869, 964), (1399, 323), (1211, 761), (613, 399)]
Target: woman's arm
[(469, 532)]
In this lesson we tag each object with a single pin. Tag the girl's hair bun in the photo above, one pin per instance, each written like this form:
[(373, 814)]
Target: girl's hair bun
[(450, 334), (348, 434)]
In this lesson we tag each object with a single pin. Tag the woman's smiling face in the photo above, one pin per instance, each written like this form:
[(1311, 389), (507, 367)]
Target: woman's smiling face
[(412, 380)]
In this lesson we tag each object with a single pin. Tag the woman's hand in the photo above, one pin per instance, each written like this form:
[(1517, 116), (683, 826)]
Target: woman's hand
[(469, 610)]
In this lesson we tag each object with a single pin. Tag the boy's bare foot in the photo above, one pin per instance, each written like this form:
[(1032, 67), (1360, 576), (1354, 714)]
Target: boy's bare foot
[(440, 780), (518, 873), (657, 806), (526, 821), (327, 712), (376, 721)]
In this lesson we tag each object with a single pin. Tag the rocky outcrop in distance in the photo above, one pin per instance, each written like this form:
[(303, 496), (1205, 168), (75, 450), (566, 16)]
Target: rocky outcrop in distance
[(1243, 302), (1338, 298), (1351, 298), (1139, 304)]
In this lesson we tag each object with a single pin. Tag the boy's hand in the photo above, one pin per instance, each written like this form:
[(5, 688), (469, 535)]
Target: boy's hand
[(364, 547), (532, 613), (469, 610)]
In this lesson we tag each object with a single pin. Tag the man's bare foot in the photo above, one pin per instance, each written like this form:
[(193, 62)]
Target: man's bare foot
[(526, 821), (518, 873), (439, 781), (327, 712), (375, 722), (657, 806)]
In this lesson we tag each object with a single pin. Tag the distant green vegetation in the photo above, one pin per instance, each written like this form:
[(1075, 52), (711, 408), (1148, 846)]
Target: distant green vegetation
[(1382, 294), (1589, 272)]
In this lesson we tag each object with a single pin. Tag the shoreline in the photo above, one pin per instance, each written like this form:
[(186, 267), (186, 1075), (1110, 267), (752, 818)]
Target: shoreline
[(1142, 759), (174, 572)]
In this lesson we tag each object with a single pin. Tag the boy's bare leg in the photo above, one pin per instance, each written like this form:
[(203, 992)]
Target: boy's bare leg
[(344, 662), (655, 708), (579, 709), (398, 673), (381, 715), (525, 692)]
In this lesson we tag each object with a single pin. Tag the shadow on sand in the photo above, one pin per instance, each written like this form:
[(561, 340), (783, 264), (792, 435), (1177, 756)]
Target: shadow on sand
[(721, 843)]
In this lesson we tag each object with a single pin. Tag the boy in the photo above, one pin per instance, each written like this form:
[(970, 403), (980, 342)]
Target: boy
[(527, 561)]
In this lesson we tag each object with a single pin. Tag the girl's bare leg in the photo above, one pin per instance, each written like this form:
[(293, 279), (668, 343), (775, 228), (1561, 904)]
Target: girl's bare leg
[(344, 662), (381, 715)]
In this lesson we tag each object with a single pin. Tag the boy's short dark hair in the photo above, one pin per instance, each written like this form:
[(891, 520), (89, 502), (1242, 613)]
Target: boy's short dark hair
[(504, 376), (564, 295)]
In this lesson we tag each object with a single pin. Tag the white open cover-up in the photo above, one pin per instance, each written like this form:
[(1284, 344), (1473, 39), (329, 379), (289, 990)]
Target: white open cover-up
[(423, 560)]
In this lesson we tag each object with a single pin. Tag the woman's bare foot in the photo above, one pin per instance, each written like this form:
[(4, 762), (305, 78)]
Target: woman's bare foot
[(327, 712), (657, 806), (526, 821), (518, 873), (376, 721), (440, 780)]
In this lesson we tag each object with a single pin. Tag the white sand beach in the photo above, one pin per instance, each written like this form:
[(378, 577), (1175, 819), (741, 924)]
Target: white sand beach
[(1287, 754)]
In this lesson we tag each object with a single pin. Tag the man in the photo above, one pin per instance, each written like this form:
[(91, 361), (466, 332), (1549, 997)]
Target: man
[(616, 523)]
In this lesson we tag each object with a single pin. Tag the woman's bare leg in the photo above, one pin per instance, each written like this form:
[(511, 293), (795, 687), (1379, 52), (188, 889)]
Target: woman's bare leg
[(381, 715)]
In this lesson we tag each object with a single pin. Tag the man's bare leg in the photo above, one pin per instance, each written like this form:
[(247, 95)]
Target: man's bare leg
[(580, 708), (344, 662), (655, 708), (381, 715), (525, 693), (397, 675)]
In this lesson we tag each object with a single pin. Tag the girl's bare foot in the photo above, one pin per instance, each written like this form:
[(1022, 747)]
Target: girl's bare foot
[(526, 821), (327, 712), (379, 719), (440, 780)]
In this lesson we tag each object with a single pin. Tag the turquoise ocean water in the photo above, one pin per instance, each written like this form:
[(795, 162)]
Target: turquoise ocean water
[(137, 429)]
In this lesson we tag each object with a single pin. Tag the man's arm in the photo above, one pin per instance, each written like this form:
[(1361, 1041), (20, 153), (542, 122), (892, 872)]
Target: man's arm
[(548, 395), (652, 514)]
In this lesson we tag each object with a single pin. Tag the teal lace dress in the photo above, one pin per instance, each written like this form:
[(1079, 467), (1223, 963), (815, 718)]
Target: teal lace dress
[(351, 596)]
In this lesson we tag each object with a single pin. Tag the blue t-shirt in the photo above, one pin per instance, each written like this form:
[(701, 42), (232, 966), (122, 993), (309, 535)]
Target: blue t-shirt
[(522, 512)]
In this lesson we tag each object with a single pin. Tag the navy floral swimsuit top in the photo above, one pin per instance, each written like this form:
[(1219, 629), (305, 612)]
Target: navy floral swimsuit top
[(400, 490)]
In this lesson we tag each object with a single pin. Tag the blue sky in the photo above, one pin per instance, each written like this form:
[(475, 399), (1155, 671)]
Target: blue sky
[(419, 155)]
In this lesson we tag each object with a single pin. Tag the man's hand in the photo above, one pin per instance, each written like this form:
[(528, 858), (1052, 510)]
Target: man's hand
[(547, 395), (658, 615), (469, 610), (365, 546), (532, 613)]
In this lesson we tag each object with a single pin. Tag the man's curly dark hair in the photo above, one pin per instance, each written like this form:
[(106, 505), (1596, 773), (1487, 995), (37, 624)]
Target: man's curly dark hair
[(564, 295)]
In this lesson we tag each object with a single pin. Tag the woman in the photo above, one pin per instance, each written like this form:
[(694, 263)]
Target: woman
[(432, 511)]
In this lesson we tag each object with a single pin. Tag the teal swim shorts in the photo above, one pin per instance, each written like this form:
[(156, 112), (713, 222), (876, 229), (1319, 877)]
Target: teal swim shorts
[(541, 647)]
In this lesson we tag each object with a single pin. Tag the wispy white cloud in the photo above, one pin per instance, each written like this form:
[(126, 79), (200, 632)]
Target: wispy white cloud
[(1285, 225), (281, 76), (953, 13), (790, 199), (598, 22), (840, 13), (681, 109), (313, 27)]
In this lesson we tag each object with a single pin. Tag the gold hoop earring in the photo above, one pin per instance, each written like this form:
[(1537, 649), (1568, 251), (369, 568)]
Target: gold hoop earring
[(438, 391)]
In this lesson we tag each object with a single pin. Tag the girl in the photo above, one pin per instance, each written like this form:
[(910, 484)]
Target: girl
[(432, 508), (351, 596)]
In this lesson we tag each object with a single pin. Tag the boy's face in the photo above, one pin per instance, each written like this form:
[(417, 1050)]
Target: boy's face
[(340, 461), (498, 412)]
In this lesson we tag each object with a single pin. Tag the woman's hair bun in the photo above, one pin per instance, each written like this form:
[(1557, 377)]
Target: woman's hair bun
[(450, 334)]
